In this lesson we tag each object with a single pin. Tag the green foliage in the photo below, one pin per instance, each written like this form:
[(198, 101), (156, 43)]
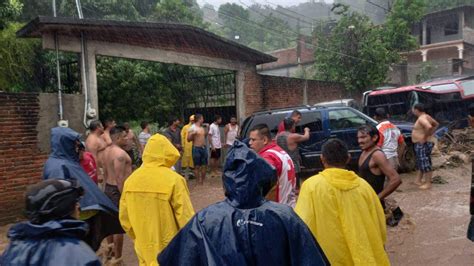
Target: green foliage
[(397, 28), (9, 10), (353, 54), (179, 11), (17, 60), (132, 90), (426, 72)]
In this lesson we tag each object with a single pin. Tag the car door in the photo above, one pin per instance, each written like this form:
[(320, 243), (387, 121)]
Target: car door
[(343, 124), (310, 150)]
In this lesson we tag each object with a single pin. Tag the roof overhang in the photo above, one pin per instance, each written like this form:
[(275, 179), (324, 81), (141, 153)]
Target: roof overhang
[(174, 37)]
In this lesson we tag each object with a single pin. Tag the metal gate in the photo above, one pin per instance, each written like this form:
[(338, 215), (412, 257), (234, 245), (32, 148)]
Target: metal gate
[(209, 95)]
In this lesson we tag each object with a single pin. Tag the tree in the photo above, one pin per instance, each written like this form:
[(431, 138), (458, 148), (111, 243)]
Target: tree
[(179, 11), (353, 54), (9, 10), (237, 23), (17, 60), (397, 28)]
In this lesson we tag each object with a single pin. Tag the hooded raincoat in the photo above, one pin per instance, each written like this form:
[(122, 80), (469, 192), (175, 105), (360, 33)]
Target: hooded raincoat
[(63, 163), (244, 229), (187, 160), (345, 215), (155, 201), (52, 243)]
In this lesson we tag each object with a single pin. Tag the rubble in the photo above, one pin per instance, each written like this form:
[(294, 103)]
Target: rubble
[(453, 149)]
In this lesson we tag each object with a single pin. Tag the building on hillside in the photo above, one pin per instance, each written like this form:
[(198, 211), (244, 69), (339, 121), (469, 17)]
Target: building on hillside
[(292, 62), (446, 39)]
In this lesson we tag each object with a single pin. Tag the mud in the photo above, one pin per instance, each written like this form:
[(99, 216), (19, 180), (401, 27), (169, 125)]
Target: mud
[(432, 232)]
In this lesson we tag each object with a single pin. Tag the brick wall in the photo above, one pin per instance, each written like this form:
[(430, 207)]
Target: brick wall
[(279, 92), (21, 162)]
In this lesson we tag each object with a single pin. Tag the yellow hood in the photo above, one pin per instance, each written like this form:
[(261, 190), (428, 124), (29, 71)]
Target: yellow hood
[(159, 152), (340, 178)]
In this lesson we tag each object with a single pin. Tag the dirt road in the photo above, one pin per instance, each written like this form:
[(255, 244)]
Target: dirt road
[(433, 231)]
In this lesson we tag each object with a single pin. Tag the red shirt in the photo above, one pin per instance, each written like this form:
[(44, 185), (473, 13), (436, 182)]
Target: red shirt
[(281, 127), (284, 191), (89, 165)]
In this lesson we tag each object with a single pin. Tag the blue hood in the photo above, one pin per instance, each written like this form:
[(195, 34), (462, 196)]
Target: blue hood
[(55, 228), (63, 143), (56, 242), (246, 177)]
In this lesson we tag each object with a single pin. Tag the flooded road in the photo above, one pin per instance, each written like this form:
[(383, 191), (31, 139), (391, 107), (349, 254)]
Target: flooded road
[(433, 231)]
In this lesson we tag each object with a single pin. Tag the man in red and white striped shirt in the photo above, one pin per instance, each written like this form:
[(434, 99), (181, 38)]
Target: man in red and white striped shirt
[(261, 142), (391, 140)]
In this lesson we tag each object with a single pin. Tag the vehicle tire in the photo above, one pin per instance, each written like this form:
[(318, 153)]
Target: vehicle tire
[(408, 160)]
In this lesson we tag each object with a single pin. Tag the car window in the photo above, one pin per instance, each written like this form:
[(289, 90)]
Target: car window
[(468, 87), (444, 87), (271, 121), (345, 119), (311, 120)]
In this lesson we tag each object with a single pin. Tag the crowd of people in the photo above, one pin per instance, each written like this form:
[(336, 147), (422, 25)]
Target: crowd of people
[(138, 186)]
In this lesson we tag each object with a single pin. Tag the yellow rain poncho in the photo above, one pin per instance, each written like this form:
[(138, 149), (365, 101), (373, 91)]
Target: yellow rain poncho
[(155, 201), (346, 217), (187, 159)]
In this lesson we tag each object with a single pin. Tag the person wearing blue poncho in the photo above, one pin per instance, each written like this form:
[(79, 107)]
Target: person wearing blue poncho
[(244, 229), (96, 208)]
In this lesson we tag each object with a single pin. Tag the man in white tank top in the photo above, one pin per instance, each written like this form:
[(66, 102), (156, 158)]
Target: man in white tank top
[(231, 131)]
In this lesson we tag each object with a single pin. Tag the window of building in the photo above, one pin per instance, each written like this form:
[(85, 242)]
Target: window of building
[(457, 65), (451, 28)]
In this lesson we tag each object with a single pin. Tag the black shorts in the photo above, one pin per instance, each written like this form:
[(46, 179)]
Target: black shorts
[(216, 153), (113, 193)]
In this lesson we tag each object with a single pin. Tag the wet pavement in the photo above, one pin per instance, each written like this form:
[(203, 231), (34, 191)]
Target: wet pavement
[(433, 231)]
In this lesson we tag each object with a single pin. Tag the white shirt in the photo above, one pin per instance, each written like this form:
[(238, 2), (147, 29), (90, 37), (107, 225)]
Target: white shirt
[(143, 137), (390, 138), (215, 133), (232, 134)]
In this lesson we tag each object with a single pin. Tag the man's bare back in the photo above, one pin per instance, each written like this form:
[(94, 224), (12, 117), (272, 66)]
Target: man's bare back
[(117, 166), (424, 128)]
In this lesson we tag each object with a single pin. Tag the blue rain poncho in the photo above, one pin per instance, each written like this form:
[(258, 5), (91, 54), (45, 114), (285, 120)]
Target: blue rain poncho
[(56, 242), (63, 163), (244, 229)]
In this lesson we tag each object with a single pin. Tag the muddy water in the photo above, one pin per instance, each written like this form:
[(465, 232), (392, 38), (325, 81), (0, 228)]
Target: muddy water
[(433, 231)]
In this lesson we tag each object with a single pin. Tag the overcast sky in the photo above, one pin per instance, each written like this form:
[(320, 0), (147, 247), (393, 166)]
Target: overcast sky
[(217, 3)]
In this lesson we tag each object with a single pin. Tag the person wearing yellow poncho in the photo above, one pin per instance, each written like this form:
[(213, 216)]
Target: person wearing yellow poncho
[(187, 159), (155, 201), (343, 212)]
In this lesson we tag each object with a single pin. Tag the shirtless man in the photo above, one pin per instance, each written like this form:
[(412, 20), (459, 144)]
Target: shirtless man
[(95, 145), (133, 149), (373, 164), (288, 141), (108, 124), (118, 166), (197, 135), (421, 136)]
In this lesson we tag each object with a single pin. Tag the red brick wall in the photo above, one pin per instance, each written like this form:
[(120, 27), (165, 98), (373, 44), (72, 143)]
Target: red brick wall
[(253, 96), (279, 92), (21, 162)]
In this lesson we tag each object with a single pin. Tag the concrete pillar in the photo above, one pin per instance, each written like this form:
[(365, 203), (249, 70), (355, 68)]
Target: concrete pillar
[(92, 79), (240, 97), (460, 51), (424, 55), (423, 34), (461, 23)]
